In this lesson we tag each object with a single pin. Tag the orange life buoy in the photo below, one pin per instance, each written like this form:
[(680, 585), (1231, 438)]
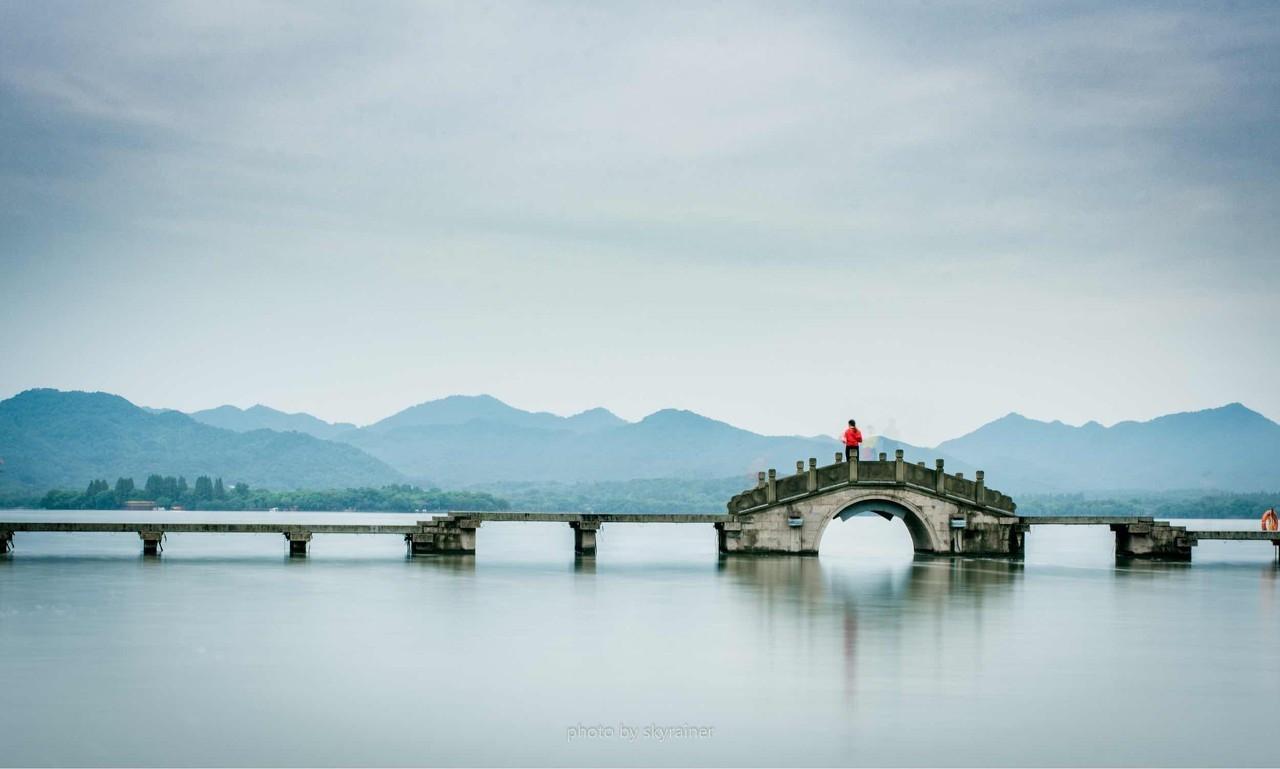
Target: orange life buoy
[(1269, 520)]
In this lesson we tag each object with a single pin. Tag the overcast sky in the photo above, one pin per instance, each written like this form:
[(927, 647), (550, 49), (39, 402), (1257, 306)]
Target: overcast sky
[(778, 215)]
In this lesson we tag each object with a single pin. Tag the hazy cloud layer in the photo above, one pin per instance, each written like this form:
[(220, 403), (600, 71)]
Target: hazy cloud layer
[(774, 214)]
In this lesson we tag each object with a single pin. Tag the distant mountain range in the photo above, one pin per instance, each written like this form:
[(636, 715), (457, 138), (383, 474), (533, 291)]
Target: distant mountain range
[(1230, 448), (470, 440), (264, 418), (51, 438), (467, 440), (59, 439)]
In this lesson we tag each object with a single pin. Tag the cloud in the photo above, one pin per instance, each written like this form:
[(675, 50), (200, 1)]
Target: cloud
[(742, 165)]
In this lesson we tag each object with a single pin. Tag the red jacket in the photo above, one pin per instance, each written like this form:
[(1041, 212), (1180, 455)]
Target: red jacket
[(853, 437)]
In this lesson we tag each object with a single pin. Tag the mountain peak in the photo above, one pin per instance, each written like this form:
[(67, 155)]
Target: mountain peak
[(1237, 408), (38, 397), (598, 418), (462, 409), (1013, 416), (674, 415), (1232, 413), (260, 417), (683, 419), (484, 398)]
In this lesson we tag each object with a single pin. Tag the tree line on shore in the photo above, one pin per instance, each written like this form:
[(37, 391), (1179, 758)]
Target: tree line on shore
[(208, 493)]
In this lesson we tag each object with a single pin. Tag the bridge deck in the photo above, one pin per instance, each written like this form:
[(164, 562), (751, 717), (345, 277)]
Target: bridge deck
[(1103, 520), (1273, 536), (211, 527), (1084, 520), (207, 528), (601, 517)]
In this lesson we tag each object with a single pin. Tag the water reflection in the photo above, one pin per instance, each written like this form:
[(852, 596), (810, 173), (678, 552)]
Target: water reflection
[(864, 656), (809, 586), (911, 611), (460, 564)]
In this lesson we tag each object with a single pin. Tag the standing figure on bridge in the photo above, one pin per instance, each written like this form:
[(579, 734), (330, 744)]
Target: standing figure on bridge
[(852, 440)]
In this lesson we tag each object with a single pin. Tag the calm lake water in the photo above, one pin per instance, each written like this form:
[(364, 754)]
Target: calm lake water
[(226, 652)]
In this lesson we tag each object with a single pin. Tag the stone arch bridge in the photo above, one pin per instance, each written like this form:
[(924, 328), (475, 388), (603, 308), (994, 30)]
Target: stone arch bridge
[(946, 514)]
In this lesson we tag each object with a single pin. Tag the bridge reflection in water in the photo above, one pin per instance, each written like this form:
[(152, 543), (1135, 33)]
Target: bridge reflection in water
[(920, 615)]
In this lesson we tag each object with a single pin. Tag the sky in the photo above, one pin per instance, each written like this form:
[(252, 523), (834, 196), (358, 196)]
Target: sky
[(780, 215)]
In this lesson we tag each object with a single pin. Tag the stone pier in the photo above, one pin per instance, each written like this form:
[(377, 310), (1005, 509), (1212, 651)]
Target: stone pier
[(584, 536), (456, 536), (1154, 540), (298, 543), (151, 542)]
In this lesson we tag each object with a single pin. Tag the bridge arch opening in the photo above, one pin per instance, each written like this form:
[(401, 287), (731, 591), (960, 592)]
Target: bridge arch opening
[(921, 538)]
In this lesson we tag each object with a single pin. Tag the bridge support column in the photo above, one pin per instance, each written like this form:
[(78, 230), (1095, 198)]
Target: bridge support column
[(1154, 541), (298, 543), (6, 542), (446, 536), (982, 535), (725, 531), (151, 542), (584, 536)]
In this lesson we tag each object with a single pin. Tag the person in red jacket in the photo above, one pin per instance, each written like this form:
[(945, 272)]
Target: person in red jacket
[(852, 440)]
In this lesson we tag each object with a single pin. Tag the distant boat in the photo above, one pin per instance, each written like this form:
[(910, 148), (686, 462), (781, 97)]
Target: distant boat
[(158, 509), (274, 510)]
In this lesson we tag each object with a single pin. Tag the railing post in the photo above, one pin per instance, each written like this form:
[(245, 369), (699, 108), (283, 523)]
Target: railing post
[(771, 488), (853, 467), (813, 474), (884, 457), (979, 486), (839, 457), (941, 479), (799, 467), (899, 469), (760, 480)]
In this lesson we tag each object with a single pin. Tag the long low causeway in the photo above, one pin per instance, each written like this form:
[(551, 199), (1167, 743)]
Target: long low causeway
[(455, 532), (451, 533)]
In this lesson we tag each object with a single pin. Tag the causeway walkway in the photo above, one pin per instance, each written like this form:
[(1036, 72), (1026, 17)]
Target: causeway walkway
[(454, 532)]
